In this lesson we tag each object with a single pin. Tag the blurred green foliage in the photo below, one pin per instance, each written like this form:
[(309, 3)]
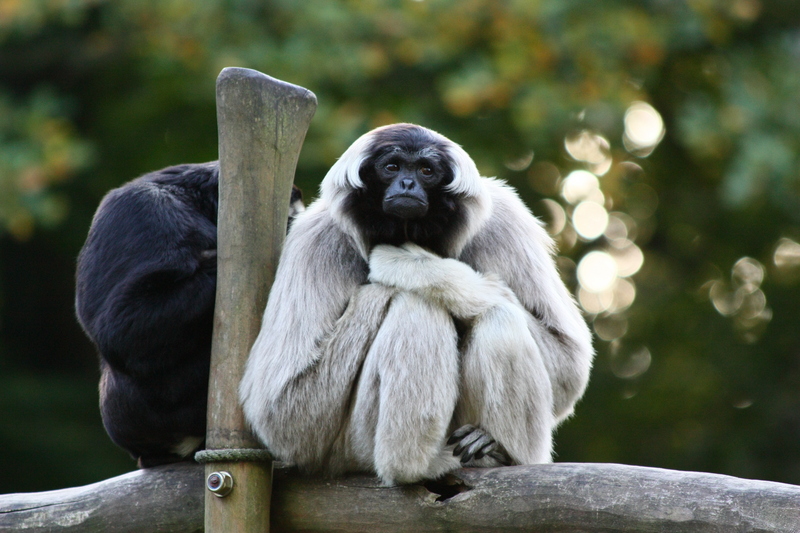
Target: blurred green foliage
[(686, 111)]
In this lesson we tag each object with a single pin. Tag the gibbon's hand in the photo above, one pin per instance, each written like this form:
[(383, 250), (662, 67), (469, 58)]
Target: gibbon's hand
[(449, 282), (476, 443), (413, 268)]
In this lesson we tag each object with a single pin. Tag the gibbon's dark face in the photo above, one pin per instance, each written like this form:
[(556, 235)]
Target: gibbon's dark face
[(407, 177), (405, 199)]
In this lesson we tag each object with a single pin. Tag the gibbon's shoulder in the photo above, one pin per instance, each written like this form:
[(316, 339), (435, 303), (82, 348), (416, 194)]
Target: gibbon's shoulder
[(317, 228), (159, 199), (512, 243), (505, 200), (510, 221)]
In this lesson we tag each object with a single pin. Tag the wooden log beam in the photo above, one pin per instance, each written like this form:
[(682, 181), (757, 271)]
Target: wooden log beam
[(165, 499), (559, 497)]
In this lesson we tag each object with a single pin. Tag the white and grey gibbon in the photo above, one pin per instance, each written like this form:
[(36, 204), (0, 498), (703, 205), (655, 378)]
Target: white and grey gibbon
[(417, 322)]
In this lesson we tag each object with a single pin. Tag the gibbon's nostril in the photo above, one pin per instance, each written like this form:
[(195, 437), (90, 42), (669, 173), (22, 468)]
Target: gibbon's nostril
[(407, 184)]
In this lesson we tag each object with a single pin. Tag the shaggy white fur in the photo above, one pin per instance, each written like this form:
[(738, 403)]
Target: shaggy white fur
[(368, 359)]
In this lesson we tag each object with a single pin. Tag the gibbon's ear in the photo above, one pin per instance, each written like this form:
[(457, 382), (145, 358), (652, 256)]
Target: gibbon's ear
[(343, 176), (466, 178)]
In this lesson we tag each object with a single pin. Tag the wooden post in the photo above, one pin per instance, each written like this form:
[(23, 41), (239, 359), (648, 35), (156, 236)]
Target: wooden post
[(262, 123)]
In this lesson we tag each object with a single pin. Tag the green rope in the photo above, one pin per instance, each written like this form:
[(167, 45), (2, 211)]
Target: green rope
[(232, 455)]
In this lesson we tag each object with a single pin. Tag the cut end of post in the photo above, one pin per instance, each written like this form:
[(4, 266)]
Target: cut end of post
[(277, 87)]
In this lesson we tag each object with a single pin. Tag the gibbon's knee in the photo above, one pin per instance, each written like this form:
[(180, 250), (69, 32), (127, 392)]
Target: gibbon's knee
[(415, 359), (505, 387)]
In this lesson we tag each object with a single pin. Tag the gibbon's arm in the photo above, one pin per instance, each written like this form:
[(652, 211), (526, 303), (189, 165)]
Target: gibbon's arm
[(509, 259), (449, 282), (514, 246), (317, 327), (146, 265), (505, 385)]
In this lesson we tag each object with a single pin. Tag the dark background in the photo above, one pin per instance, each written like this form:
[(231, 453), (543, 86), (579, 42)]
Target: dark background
[(689, 113)]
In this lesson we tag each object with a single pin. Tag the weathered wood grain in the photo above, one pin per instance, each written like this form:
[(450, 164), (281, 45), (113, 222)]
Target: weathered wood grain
[(559, 497), (262, 123), (166, 499)]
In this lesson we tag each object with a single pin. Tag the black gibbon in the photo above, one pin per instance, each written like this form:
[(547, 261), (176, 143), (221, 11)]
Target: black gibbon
[(145, 292), (432, 330)]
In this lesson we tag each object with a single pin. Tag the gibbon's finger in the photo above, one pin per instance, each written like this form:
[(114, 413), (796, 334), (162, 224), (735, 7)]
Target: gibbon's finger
[(481, 442), (467, 441), (460, 433), (486, 450)]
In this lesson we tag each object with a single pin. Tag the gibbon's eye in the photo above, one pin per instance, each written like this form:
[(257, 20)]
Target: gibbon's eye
[(426, 171), (392, 167)]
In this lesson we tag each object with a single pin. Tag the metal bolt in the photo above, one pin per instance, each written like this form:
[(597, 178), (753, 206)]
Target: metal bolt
[(220, 483)]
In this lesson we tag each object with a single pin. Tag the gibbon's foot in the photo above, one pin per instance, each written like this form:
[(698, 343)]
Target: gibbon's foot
[(476, 443)]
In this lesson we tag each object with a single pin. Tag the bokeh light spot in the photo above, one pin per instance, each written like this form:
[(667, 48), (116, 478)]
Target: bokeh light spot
[(753, 304), (628, 256), (610, 327), (597, 272), (747, 271), (644, 128), (624, 295), (787, 254), (521, 163), (595, 302), (590, 148), (632, 365), (555, 217), (590, 220), (579, 185), (725, 301)]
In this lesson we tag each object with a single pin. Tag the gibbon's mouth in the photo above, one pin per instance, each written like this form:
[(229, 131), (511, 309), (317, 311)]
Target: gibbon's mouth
[(405, 206)]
